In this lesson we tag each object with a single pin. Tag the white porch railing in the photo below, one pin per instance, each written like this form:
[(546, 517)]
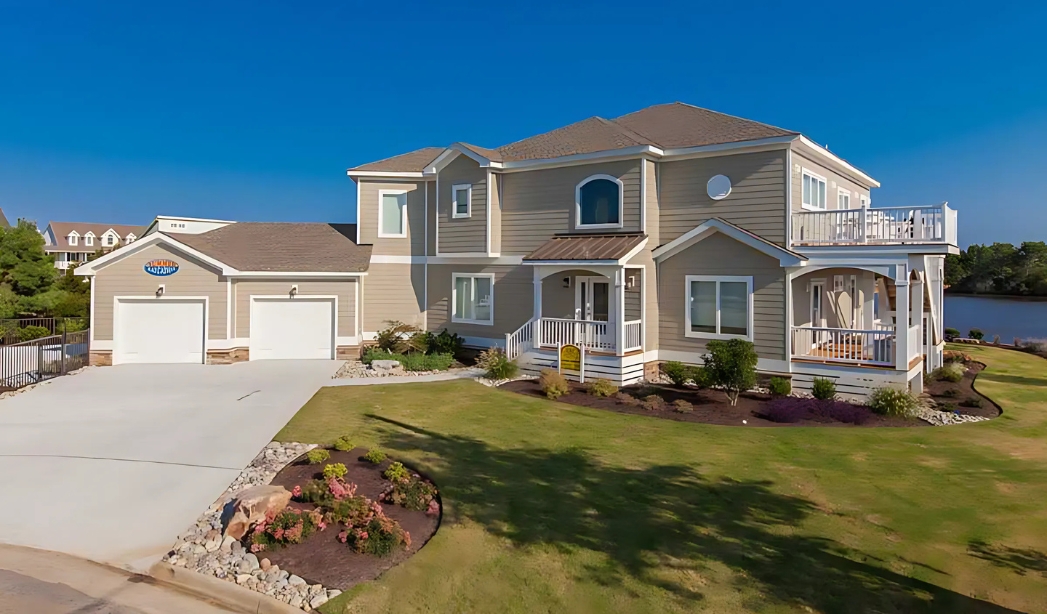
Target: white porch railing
[(915, 342), (520, 340), (593, 334), (899, 225), (633, 338), (868, 347)]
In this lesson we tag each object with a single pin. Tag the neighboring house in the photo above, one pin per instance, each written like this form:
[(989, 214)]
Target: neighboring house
[(72, 242), (645, 236), (3, 220), (639, 238)]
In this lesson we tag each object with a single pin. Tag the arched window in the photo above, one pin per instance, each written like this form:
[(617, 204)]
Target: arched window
[(599, 202)]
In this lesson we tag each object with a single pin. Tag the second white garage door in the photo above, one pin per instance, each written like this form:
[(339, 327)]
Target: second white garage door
[(158, 330), (292, 328)]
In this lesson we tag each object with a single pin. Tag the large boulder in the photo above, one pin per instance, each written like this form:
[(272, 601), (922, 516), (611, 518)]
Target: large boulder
[(251, 506)]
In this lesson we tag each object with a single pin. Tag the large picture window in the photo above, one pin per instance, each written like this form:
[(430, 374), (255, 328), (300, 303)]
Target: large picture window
[(719, 307), (599, 202), (813, 191), (473, 298), (392, 214)]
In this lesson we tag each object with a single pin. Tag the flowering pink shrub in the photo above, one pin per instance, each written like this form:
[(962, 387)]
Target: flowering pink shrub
[(339, 489), (296, 492), (287, 527), (414, 494), (433, 509)]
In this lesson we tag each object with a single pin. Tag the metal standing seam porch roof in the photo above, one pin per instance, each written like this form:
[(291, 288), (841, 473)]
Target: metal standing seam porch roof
[(606, 246)]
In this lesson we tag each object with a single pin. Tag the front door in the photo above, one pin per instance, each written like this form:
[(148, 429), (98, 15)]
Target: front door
[(592, 302)]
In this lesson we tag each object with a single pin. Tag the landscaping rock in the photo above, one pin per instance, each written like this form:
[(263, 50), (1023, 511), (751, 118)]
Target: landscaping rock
[(265, 564), (295, 581), (386, 365), (318, 600), (252, 505)]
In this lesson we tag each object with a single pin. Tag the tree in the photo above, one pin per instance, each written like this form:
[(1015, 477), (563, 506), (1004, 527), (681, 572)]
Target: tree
[(24, 266), (1000, 268), (731, 365)]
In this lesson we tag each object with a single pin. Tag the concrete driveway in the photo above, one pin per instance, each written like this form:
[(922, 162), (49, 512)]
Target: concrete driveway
[(113, 463)]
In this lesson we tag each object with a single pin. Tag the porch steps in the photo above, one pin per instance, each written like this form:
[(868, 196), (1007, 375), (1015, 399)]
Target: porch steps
[(623, 370)]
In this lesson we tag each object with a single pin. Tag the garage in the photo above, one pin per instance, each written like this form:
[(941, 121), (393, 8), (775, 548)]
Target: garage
[(159, 330), (285, 328)]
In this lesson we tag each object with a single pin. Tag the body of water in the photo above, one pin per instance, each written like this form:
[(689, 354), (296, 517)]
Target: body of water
[(1006, 317)]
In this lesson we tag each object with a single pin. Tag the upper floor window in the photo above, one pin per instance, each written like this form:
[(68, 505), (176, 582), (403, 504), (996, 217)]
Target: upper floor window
[(863, 200), (813, 191), (599, 202), (130, 238), (89, 239), (74, 239), (110, 240), (461, 200), (719, 307), (843, 199), (392, 213), (473, 298)]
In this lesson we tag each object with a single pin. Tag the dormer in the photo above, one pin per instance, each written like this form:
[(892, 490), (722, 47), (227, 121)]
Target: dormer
[(110, 238), (73, 238), (89, 239), (130, 238)]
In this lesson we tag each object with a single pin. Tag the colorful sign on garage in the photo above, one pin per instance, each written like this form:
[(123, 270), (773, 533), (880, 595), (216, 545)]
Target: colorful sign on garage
[(161, 267)]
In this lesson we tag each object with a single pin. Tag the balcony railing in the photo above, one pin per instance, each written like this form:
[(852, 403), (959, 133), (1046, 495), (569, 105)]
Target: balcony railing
[(866, 347), (597, 335), (882, 226)]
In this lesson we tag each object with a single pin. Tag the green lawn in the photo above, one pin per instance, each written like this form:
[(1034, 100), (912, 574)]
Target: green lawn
[(554, 508)]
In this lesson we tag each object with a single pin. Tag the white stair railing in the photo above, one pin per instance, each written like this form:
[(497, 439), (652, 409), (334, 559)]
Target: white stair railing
[(519, 341), (633, 339)]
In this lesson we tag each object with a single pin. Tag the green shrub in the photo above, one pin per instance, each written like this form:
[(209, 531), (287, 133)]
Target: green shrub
[(375, 456), (29, 333), (416, 361), (74, 325), (344, 444), (626, 399), (731, 365), (780, 386), (682, 406), (553, 384), (892, 402), (396, 472), (317, 456), (496, 364), (602, 388), (699, 376), (951, 393), (823, 389), (676, 371), (653, 402), (971, 402), (335, 470), (976, 333), (399, 338), (951, 372), (413, 494), (951, 333), (947, 407), (444, 343), (373, 353)]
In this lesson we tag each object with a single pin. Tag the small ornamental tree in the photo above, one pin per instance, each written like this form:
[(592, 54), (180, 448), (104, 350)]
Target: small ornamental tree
[(731, 366)]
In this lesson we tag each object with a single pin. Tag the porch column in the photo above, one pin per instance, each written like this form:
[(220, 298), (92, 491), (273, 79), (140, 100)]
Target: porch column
[(868, 289), (901, 325), (916, 310), (619, 309), (537, 310)]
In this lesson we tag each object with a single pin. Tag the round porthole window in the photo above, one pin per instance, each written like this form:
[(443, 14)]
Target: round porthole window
[(719, 187)]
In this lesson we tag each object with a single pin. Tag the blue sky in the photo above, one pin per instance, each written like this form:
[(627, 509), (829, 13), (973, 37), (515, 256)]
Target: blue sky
[(252, 111)]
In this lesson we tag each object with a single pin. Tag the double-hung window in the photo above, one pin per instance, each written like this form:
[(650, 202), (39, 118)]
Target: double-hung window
[(392, 213), (813, 191), (473, 298), (461, 195), (73, 239), (843, 199), (719, 307)]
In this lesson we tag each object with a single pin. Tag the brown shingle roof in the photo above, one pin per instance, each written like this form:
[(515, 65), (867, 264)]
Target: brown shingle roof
[(282, 247), (61, 231), (587, 136), (682, 125), (586, 247), (410, 162)]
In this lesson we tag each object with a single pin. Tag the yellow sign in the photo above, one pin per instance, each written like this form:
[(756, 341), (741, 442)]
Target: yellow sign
[(570, 358)]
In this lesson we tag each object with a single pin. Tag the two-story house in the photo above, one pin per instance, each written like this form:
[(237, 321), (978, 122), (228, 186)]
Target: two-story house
[(72, 242), (645, 236), (640, 238)]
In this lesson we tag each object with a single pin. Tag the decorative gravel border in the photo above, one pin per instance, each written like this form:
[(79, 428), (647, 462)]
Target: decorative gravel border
[(354, 369), (202, 549)]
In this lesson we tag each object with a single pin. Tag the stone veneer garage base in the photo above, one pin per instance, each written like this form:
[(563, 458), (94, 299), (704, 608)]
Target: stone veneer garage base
[(225, 357)]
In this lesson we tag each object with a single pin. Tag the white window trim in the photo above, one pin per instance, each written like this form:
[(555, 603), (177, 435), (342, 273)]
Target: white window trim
[(578, 202), (403, 220), (89, 239), (863, 201), (804, 171), (718, 278), (454, 298), (468, 200), (73, 238), (844, 192)]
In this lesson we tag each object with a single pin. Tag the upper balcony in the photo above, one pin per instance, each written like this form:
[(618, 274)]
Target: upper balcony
[(933, 225)]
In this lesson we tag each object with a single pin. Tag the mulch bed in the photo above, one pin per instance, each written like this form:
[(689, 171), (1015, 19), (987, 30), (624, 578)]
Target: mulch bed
[(321, 558), (710, 406), (949, 395)]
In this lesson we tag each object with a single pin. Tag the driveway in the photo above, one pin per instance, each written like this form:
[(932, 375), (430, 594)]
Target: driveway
[(114, 463)]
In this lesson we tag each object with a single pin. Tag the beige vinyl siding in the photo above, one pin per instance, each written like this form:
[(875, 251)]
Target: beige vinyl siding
[(345, 290), (538, 204), (126, 277), (756, 202), (634, 296), (414, 243), (833, 181), (469, 234), (496, 212), (721, 255), (393, 292), (513, 299)]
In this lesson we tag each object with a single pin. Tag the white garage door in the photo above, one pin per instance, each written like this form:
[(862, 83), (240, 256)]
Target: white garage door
[(286, 328), (158, 331)]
